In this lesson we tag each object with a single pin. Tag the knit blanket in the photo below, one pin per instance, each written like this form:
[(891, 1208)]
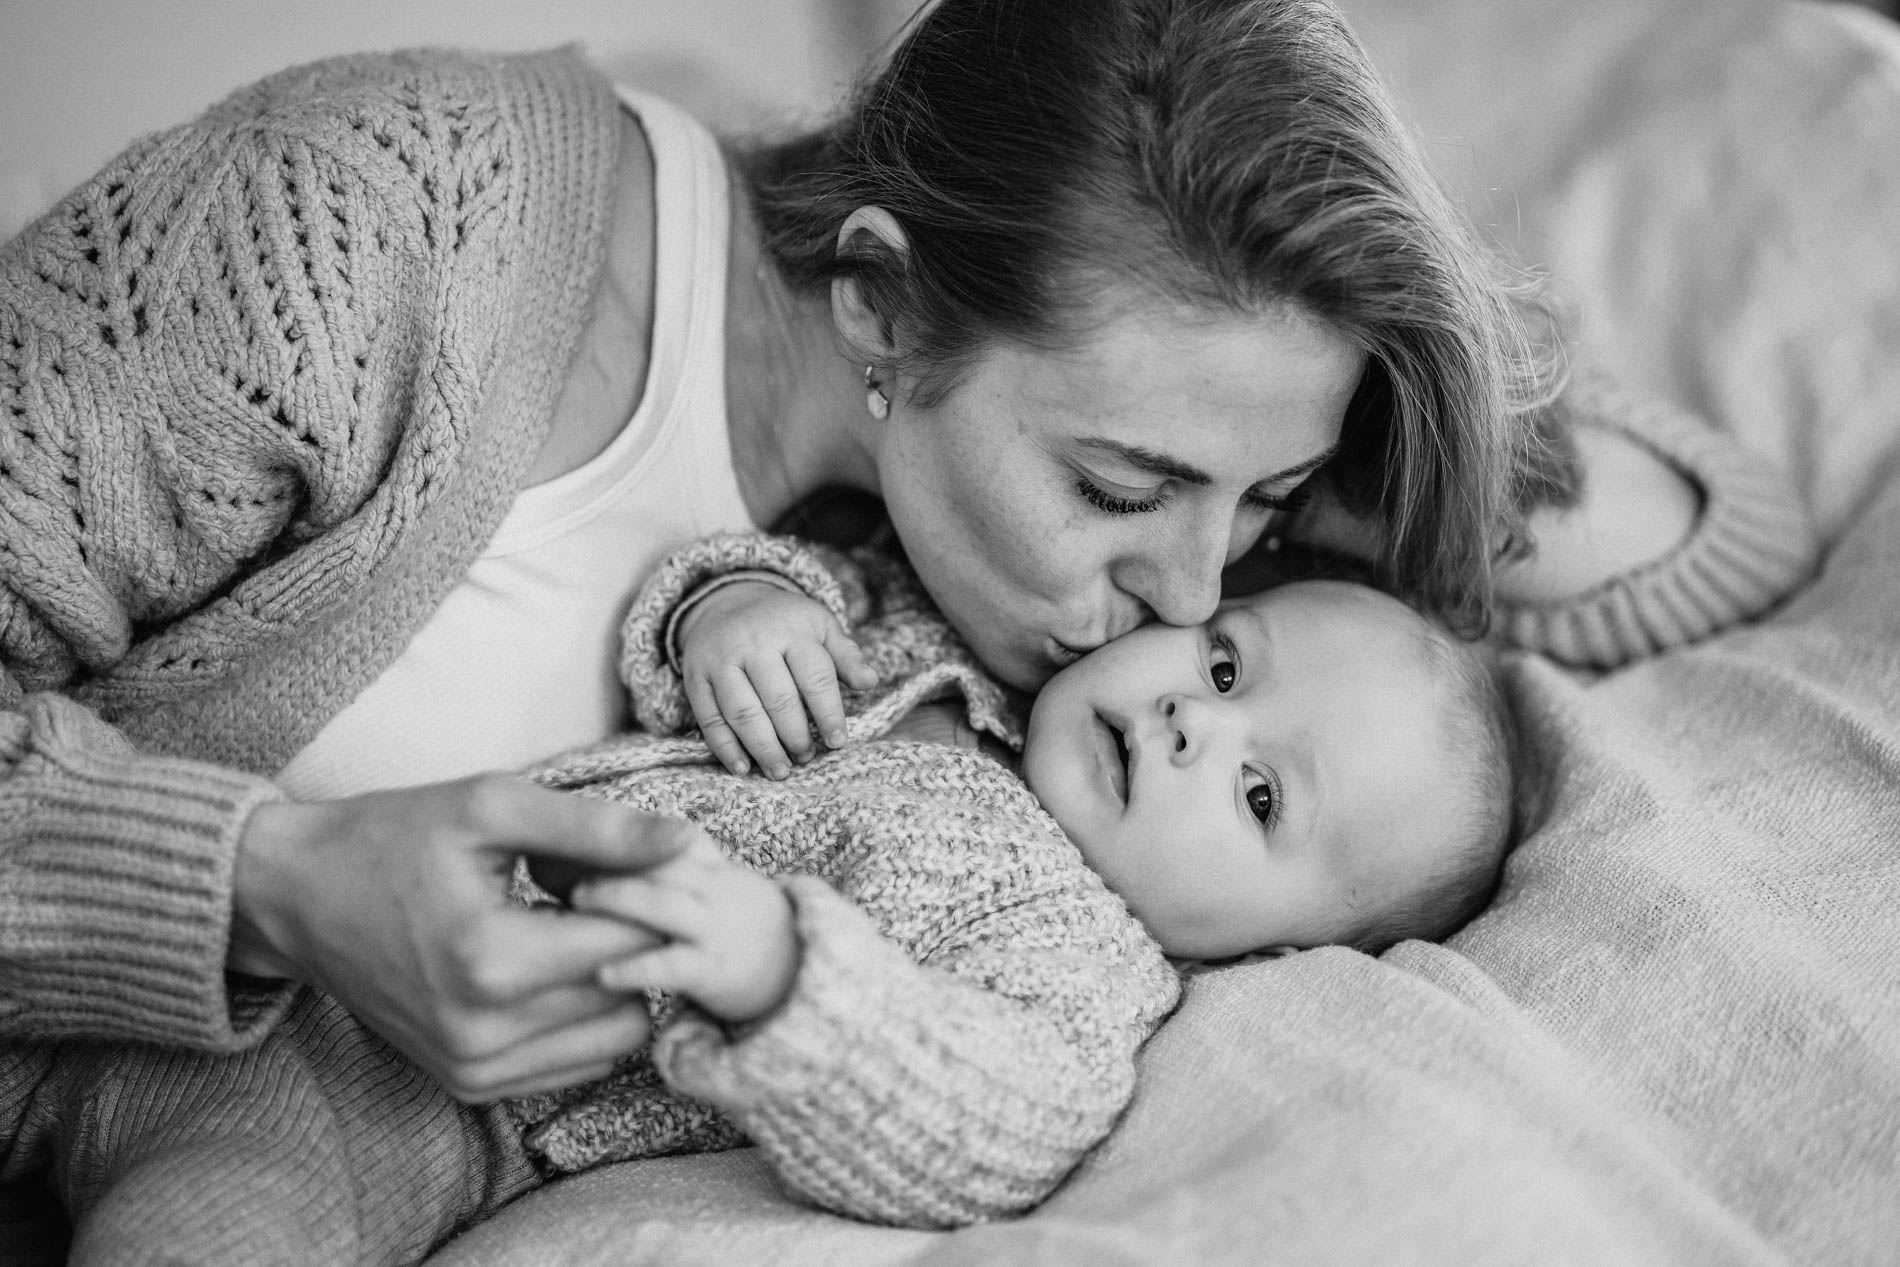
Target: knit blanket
[(1676, 1035)]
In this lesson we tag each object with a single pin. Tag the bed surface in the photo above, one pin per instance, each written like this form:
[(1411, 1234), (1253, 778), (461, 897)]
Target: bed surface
[(1676, 1035)]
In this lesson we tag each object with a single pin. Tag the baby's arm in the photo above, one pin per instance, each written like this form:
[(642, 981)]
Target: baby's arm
[(962, 1024)]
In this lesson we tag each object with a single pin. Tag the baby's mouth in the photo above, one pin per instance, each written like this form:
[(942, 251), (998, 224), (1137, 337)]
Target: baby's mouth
[(1115, 759)]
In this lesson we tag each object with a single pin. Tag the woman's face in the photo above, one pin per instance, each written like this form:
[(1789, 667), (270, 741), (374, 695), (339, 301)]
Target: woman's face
[(1053, 501)]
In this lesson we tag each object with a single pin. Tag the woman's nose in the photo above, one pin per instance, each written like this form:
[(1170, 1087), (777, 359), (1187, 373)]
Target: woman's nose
[(1179, 580)]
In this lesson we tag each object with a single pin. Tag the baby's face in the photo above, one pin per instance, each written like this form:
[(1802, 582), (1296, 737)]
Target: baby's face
[(1266, 779)]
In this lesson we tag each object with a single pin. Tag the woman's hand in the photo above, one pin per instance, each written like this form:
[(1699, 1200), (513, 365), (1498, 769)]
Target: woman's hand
[(761, 667), (730, 944), (396, 903)]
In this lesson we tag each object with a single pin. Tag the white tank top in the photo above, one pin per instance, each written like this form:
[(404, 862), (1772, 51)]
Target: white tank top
[(519, 662)]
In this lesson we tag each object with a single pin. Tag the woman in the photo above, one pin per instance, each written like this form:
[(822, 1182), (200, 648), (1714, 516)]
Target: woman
[(341, 421)]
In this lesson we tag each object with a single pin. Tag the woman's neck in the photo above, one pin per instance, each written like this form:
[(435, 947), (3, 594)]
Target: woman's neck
[(794, 401)]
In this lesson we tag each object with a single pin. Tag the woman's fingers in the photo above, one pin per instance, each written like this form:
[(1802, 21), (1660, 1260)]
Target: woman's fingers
[(676, 967), (671, 911), (556, 1057), (511, 955), (565, 836), (516, 817)]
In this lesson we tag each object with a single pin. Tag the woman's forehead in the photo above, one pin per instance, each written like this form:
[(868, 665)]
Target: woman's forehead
[(1210, 394)]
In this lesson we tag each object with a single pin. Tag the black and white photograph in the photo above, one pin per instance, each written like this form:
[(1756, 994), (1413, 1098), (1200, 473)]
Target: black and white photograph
[(863, 633)]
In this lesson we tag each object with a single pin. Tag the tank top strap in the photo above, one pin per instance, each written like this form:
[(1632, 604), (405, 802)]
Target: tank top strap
[(693, 217)]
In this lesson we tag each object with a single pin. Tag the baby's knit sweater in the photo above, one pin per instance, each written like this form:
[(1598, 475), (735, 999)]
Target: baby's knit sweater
[(970, 996)]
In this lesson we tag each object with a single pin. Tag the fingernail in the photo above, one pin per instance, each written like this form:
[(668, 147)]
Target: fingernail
[(780, 771), (738, 765), (834, 738)]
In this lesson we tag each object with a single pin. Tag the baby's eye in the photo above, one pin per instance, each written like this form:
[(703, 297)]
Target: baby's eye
[(1223, 666), (1263, 799)]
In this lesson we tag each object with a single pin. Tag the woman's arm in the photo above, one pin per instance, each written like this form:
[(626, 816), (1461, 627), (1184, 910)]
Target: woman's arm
[(1675, 532), (226, 394), (1678, 532), (1633, 509)]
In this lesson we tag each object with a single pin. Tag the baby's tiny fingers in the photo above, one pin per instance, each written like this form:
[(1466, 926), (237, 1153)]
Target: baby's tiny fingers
[(817, 682), (713, 728), (778, 691), (852, 667), (742, 710)]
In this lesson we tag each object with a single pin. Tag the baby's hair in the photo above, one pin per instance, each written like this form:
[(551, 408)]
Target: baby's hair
[(1483, 732)]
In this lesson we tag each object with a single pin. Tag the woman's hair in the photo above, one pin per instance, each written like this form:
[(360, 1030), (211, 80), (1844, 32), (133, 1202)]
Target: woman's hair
[(1049, 158)]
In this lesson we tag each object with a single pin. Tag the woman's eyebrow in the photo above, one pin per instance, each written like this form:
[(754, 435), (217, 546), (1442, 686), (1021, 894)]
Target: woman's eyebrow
[(1162, 464)]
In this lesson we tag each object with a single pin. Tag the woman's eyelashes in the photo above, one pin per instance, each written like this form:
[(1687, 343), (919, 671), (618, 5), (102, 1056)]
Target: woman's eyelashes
[(1120, 500), (1116, 503), (1287, 503)]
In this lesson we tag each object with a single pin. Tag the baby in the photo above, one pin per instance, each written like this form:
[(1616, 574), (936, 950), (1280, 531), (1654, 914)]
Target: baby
[(916, 981)]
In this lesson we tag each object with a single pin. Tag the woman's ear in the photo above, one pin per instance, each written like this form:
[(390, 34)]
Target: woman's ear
[(864, 329)]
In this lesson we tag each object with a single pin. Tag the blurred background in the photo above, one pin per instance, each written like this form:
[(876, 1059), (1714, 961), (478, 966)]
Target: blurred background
[(81, 78)]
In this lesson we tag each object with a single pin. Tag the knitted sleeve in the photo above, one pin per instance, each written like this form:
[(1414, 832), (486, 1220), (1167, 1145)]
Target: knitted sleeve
[(959, 1087), (116, 887), (226, 386), (1753, 542)]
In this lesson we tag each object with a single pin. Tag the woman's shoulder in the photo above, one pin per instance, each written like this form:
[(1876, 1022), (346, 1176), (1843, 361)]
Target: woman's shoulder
[(607, 377), (443, 83)]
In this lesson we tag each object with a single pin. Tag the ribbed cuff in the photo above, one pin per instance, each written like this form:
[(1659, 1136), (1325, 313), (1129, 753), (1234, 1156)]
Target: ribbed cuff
[(117, 888), (1752, 544)]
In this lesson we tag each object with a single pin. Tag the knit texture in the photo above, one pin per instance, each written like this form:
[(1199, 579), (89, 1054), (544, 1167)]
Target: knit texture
[(318, 1145), (1752, 545), (267, 384), (970, 997)]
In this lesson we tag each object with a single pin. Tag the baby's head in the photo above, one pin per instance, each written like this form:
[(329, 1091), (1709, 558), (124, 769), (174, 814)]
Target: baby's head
[(1318, 764)]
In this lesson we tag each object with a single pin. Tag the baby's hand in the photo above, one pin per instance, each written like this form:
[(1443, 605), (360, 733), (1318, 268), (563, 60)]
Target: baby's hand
[(729, 942), (761, 666)]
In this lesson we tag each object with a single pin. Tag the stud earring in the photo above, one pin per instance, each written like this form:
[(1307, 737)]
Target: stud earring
[(876, 399)]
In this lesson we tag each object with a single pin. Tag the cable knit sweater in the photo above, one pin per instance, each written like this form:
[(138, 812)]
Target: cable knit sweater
[(267, 383), (970, 997)]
